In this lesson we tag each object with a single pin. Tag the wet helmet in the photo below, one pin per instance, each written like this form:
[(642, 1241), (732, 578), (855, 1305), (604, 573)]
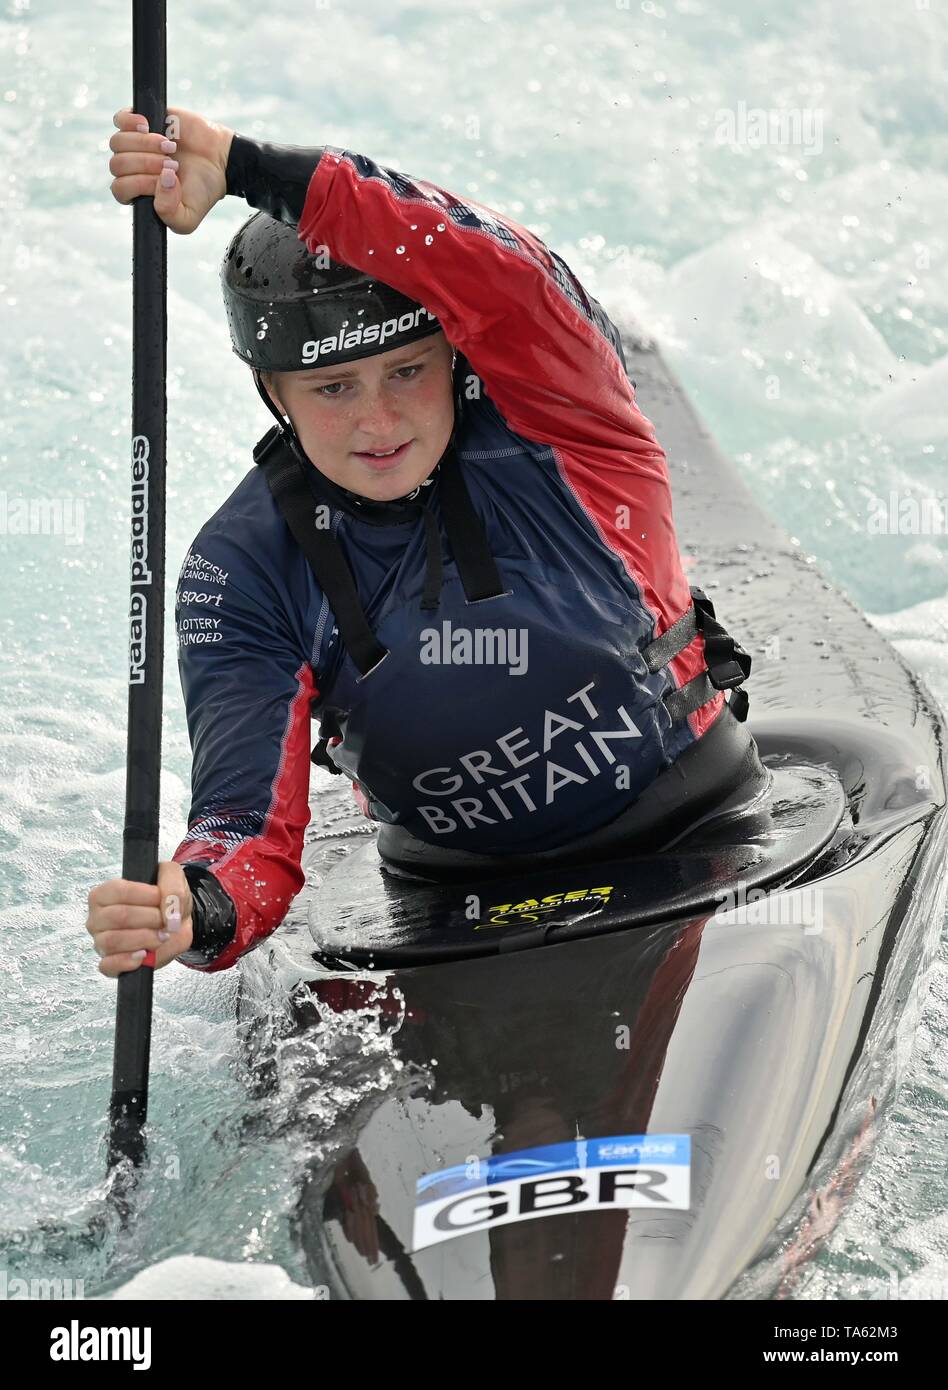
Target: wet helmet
[(290, 310)]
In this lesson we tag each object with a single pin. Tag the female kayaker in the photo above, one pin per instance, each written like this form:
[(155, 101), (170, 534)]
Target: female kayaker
[(455, 548)]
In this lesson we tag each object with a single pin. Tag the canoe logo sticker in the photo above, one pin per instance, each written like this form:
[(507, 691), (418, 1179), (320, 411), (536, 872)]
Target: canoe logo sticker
[(626, 1170), (535, 910)]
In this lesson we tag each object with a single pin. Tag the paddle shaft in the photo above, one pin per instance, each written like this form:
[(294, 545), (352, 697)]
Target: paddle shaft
[(129, 1102)]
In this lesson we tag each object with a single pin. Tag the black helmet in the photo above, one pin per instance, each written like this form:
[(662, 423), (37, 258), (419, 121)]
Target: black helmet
[(289, 310)]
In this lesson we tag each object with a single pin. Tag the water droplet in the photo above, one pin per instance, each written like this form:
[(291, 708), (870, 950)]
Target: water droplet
[(399, 250), (429, 240)]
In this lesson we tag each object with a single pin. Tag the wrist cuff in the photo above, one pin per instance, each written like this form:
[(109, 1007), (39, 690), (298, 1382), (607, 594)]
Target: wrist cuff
[(273, 178), (213, 916)]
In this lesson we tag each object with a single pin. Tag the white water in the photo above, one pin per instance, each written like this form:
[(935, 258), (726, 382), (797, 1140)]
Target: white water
[(801, 291)]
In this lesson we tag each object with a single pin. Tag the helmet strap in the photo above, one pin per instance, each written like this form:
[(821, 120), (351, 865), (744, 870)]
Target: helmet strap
[(285, 423)]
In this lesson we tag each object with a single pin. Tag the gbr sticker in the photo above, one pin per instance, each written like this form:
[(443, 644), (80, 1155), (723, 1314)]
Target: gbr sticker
[(617, 1173)]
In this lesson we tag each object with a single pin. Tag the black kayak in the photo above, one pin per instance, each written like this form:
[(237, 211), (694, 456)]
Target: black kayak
[(654, 1076)]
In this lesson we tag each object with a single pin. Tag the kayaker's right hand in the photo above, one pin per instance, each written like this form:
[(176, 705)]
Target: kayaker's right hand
[(196, 162), (127, 919)]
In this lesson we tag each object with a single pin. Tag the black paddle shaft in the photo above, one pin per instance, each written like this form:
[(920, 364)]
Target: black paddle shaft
[(129, 1103)]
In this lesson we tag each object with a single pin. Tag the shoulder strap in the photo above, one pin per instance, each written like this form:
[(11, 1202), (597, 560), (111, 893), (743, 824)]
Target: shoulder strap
[(298, 508), (468, 535)]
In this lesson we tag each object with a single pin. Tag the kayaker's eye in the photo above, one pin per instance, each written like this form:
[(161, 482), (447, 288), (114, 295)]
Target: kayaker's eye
[(329, 391)]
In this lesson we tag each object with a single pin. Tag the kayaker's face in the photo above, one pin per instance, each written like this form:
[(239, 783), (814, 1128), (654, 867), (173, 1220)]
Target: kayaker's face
[(344, 415)]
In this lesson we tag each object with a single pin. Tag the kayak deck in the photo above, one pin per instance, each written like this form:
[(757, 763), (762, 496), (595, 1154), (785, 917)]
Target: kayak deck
[(364, 916)]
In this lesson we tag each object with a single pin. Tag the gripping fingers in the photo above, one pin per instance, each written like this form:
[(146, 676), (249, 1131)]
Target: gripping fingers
[(124, 917), (127, 119), (113, 966), (152, 164), (123, 143), (124, 892), (125, 190), (138, 159), (135, 135), (110, 943)]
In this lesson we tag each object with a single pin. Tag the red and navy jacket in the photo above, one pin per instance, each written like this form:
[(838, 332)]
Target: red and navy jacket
[(572, 487)]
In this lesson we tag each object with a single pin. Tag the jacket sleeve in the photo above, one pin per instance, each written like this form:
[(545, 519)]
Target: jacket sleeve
[(548, 354), (247, 689)]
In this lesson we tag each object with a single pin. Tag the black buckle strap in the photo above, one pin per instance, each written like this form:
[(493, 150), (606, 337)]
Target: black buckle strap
[(739, 703), (329, 729), (320, 756), (728, 664), (271, 440)]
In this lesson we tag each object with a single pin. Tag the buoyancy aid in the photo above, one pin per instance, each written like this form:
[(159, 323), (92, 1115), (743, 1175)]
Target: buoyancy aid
[(480, 704)]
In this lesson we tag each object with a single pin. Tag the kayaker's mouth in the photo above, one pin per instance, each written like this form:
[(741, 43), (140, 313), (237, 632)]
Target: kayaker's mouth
[(382, 458)]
